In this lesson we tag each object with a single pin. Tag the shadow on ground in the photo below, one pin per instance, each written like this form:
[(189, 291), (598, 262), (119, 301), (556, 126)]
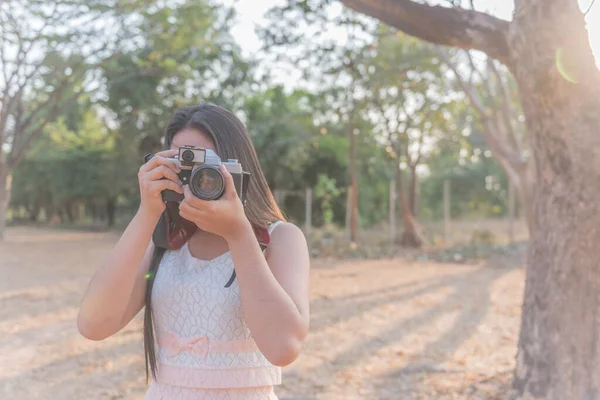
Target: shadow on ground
[(385, 329)]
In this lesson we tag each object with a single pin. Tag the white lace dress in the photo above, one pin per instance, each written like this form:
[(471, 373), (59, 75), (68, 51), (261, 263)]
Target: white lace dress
[(204, 347)]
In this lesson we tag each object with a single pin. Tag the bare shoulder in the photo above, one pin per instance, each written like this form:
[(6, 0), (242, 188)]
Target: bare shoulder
[(287, 238), (285, 231)]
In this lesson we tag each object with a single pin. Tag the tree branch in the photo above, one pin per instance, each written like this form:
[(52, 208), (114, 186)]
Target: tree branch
[(419, 157), (467, 87), (456, 27), (17, 154), (4, 66), (491, 130), (506, 108)]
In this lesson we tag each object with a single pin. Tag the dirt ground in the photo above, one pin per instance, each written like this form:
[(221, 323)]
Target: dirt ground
[(381, 329)]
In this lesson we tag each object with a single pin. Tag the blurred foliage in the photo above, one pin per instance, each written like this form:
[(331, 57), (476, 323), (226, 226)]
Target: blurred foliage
[(186, 55), (387, 89), (65, 168), (327, 191), (477, 184), (283, 133)]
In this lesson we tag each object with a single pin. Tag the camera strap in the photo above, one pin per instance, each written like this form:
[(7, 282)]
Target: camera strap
[(245, 186), (172, 231)]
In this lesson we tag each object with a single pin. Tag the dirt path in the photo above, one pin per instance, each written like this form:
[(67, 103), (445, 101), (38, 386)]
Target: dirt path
[(380, 329)]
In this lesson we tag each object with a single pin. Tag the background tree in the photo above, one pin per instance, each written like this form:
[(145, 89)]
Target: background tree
[(406, 93), (174, 54), (282, 130), (68, 170), (46, 65), (492, 93), (336, 69), (185, 54)]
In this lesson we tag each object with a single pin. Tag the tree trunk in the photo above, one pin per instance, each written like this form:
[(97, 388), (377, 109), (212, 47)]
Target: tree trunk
[(354, 215), (50, 211), (410, 236), (111, 205), (61, 214), (102, 212), (559, 346), (5, 185), (354, 185), (69, 211), (524, 187), (92, 210), (33, 211), (413, 191)]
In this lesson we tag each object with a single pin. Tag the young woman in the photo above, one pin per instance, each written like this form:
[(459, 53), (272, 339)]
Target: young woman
[(208, 333)]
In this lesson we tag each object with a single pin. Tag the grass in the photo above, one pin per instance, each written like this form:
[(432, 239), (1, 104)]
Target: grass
[(475, 238)]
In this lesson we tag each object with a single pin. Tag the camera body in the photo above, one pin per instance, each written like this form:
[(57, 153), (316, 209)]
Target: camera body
[(200, 170)]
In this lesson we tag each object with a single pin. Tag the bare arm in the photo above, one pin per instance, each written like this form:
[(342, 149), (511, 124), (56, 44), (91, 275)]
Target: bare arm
[(274, 291), (117, 290)]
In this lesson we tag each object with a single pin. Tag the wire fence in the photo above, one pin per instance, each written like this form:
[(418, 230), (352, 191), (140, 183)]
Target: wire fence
[(507, 228), (442, 228)]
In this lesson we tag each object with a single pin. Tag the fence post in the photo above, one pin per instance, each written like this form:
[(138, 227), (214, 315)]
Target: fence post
[(348, 211), (392, 214), (511, 212), (446, 211), (308, 214)]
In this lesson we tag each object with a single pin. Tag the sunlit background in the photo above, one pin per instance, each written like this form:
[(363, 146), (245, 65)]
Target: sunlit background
[(437, 322), (251, 14)]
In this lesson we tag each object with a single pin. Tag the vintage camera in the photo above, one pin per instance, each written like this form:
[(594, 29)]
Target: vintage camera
[(200, 170)]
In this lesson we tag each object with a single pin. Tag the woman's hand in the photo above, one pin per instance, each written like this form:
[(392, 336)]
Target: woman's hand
[(151, 181), (224, 217)]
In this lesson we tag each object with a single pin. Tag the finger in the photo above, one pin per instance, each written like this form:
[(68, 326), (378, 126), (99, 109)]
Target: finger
[(162, 184), (156, 161), (230, 191), (168, 153), (163, 172), (192, 200), (188, 212)]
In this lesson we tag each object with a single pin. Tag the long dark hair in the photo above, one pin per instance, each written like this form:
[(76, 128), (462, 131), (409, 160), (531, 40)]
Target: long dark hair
[(231, 141)]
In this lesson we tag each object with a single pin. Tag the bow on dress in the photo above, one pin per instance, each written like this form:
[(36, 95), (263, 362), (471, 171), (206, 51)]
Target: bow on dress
[(173, 344)]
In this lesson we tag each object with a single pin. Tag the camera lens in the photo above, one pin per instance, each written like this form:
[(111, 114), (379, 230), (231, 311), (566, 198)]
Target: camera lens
[(187, 156), (207, 183)]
